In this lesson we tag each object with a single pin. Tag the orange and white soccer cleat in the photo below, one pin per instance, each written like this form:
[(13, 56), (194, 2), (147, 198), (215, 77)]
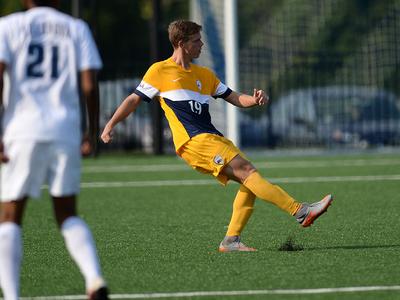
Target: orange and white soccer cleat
[(308, 213)]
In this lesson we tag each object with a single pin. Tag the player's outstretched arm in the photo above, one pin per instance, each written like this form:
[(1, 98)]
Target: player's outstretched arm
[(128, 106), (242, 100)]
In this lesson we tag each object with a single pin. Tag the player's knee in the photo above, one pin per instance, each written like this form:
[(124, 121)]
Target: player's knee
[(64, 207), (12, 211), (245, 171), (63, 213), (7, 215), (239, 169), (61, 216)]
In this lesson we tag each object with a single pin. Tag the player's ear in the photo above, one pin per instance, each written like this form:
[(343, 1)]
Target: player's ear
[(181, 44)]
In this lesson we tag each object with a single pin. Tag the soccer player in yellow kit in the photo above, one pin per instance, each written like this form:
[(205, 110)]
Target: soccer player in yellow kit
[(184, 90)]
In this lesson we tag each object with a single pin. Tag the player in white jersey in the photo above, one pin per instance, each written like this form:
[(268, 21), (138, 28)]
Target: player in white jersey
[(42, 53)]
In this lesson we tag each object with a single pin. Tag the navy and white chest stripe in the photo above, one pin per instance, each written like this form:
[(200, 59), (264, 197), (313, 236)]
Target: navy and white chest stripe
[(190, 107), (147, 92)]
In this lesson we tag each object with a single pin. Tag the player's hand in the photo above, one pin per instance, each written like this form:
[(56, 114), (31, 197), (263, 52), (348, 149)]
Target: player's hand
[(86, 146), (260, 97), (106, 135), (3, 157)]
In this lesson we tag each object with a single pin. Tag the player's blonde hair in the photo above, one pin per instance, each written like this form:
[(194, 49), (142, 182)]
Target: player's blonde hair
[(181, 30)]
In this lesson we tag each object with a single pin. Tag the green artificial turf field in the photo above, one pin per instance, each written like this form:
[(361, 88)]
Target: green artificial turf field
[(157, 225)]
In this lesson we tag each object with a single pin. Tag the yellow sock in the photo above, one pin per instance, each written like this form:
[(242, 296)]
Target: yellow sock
[(242, 210), (271, 193)]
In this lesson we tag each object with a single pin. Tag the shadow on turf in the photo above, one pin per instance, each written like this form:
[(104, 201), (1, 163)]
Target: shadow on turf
[(290, 245), (351, 247)]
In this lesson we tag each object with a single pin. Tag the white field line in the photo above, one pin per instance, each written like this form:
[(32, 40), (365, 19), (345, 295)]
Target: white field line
[(339, 290), (266, 165), (197, 182)]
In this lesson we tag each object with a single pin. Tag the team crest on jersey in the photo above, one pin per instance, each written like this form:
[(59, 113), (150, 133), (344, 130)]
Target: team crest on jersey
[(218, 160), (198, 83)]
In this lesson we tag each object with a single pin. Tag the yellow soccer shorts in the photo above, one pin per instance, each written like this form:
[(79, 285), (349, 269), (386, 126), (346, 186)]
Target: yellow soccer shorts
[(209, 153)]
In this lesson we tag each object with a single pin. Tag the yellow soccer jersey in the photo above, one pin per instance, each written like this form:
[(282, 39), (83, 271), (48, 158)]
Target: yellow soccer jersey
[(184, 96)]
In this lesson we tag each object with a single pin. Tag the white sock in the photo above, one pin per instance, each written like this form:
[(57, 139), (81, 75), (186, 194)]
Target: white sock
[(10, 259), (81, 246)]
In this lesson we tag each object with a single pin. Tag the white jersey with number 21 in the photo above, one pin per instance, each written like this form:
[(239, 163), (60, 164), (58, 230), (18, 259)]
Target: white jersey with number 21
[(44, 50)]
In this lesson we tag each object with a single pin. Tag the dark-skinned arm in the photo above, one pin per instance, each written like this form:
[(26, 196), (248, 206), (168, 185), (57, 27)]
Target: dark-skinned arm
[(3, 156), (90, 95)]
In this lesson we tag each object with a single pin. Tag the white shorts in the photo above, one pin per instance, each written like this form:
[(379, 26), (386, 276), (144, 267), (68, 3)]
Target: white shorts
[(32, 164)]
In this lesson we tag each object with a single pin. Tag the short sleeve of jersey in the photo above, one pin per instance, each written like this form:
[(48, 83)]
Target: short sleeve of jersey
[(88, 55), (5, 53), (149, 87), (222, 91)]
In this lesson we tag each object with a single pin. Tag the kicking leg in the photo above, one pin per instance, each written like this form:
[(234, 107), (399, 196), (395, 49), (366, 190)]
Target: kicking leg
[(304, 213), (242, 171), (271, 193)]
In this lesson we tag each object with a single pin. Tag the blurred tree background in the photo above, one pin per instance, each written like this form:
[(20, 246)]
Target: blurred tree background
[(319, 37), (284, 45), (122, 30)]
